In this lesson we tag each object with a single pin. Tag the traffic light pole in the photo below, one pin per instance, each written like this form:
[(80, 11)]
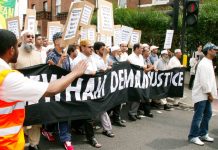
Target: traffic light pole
[(182, 41)]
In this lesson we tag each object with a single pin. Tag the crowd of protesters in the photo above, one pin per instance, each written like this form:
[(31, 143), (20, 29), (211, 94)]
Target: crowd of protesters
[(34, 49)]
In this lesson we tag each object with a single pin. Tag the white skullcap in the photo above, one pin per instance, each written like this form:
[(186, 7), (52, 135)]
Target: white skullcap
[(164, 52), (27, 31), (114, 48), (177, 51), (153, 47), (145, 45)]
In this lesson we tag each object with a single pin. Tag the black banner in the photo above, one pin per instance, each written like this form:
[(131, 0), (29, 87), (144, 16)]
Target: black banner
[(89, 95)]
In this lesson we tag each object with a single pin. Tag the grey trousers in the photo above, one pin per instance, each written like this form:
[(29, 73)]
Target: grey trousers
[(133, 108), (105, 121)]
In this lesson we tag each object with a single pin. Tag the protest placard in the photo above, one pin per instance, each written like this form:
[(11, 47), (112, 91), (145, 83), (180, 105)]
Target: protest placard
[(83, 33), (88, 33), (135, 37), (159, 2), (92, 33), (53, 27), (105, 18), (13, 25), (107, 39), (126, 33), (168, 39), (30, 20), (117, 35), (72, 24), (87, 12)]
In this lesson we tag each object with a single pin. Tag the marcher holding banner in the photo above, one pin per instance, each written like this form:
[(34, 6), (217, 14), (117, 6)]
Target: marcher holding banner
[(16, 89), (146, 105), (60, 58), (136, 58), (112, 59), (102, 66), (174, 63), (203, 93), (162, 64), (86, 54)]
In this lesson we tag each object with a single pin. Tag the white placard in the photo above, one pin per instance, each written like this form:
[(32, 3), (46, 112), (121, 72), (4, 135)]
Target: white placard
[(126, 33), (52, 30), (73, 23), (105, 39), (31, 23), (13, 26), (83, 34), (168, 39), (106, 18), (159, 2), (117, 36), (86, 14), (92, 35), (135, 38)]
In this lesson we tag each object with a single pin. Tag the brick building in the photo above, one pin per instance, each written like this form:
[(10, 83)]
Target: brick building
[(57, 10)]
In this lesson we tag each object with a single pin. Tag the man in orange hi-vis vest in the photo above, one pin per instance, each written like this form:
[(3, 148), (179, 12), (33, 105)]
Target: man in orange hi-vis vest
[(13, 92)]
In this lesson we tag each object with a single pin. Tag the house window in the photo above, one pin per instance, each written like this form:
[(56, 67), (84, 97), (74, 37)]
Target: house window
[(33, 6), (45, 6), (122, 3), (58, 7)]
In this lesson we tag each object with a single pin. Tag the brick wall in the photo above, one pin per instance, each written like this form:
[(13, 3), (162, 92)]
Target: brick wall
[(65, 5)]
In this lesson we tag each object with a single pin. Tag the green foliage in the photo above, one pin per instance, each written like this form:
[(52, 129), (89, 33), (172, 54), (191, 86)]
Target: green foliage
[(153, 23)]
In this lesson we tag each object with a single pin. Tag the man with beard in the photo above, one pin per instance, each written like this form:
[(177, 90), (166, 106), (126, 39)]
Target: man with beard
[(15, 90), (162, 64), (102, 66), (175, 63), (114, 57), (28, 56), (204, 92)]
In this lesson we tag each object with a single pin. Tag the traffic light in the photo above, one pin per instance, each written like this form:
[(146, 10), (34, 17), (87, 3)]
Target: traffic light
[(192, 9), (174, 14)]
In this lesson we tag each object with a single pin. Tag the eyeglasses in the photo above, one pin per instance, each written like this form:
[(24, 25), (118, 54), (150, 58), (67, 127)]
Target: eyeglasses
[(90, 46), (28, 36)]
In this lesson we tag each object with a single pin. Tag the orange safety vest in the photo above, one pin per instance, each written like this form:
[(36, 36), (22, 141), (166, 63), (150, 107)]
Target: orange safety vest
[(12, 115)]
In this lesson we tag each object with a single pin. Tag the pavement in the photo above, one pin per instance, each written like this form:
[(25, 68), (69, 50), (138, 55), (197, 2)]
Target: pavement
[(168, 130), (186, 101), (187, 94)]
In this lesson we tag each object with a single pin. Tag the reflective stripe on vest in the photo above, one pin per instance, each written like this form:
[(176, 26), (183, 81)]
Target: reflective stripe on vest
[(9, 109), (10, 130), (11, 120)]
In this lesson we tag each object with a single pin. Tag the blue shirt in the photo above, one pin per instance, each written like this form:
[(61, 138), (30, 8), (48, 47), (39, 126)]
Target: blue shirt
[(55, 56), (153, 58), (112, 59)]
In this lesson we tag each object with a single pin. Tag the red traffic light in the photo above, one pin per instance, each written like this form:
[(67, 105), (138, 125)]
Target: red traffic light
[(192, 7)]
